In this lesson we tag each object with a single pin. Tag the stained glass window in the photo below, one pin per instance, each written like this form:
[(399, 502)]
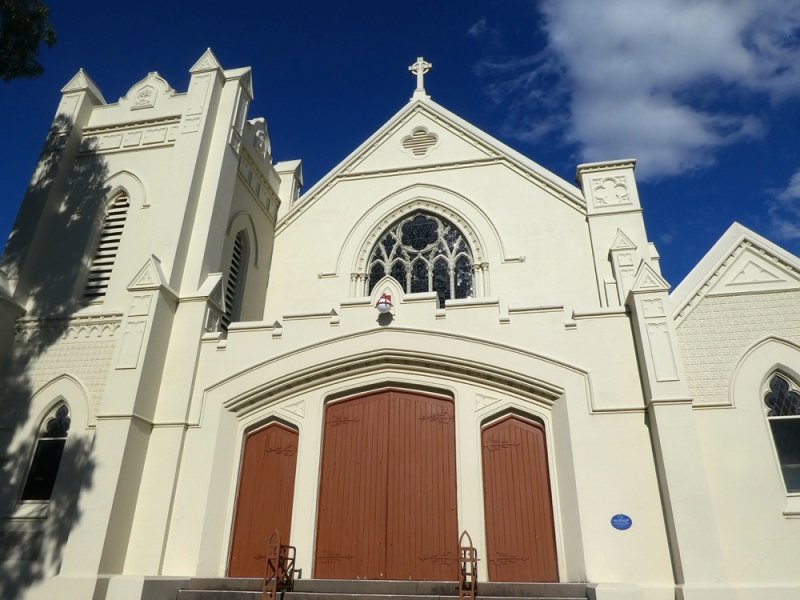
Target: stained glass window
[(47, 455), (783, 413), (424, 253)]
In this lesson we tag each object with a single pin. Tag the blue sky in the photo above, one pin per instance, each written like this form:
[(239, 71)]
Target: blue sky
[(705, 94)]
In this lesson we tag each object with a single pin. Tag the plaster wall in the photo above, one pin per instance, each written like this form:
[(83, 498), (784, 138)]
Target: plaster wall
[(591, 428), (528, 238), (729, 361)]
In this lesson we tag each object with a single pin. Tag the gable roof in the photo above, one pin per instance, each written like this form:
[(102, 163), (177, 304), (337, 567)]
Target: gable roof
[(493, 149), (740, 262)]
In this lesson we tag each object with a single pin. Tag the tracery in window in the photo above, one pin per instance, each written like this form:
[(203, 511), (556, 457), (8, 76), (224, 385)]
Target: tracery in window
[(423, 253), (106, 253), (783, 414), (47, 455)]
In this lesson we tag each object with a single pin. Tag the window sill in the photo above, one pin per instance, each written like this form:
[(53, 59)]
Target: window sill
[(470, 302), (31, 509), (792, 510)]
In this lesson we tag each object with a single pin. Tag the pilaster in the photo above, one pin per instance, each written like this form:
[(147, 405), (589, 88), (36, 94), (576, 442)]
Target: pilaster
[(214, 120), (198, 315), (198, 131), (290, 173), (616, 228), (215, 174), (29, 237), (99, 542), (10, 311), (695, 544)]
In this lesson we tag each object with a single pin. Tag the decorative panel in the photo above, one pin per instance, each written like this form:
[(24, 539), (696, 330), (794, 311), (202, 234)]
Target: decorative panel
[(610, 191), (155, 133)]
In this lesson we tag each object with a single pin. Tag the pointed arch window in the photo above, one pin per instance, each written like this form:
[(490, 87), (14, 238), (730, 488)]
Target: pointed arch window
[(106, 253), (234, 287), (423, 253), (47, 454), (782, 401)]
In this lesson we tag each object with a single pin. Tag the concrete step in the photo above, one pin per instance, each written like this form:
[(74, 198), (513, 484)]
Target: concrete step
[(185, 594), (384, 586), (438, 588), (251, 595), (316, 596), (243, 584), (339, 589), (528, 590)]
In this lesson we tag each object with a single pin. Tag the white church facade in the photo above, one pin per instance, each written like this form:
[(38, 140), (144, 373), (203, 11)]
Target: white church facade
[(193, 356)]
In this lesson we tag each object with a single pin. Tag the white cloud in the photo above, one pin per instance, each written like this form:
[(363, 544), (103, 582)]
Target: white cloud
[(478, 28), (784, 210), (792, 191), (658, 80), (667, 238)]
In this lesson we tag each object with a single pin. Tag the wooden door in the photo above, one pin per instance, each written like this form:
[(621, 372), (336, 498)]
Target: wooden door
[(264, 502), (351, 521), (422, 522), (520, 535), (387, 503)]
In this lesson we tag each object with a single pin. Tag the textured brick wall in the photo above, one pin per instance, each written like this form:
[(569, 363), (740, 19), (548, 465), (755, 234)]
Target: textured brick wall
[(82, 348), (717, 333)]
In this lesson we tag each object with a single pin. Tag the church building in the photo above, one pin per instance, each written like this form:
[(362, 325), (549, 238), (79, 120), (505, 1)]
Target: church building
[(439, 336)]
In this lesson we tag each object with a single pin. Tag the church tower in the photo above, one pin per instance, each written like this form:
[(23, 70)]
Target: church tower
[(148, 223)]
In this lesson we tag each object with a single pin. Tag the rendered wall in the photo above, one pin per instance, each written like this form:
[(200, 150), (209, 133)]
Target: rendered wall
[(541, 320), (731, 346)]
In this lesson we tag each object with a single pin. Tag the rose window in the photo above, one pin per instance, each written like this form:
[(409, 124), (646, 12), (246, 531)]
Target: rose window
[(424, 253)]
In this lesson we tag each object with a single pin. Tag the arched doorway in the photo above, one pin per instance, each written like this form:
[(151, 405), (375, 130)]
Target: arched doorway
[(520, 533), (266, 493), (387, 499)]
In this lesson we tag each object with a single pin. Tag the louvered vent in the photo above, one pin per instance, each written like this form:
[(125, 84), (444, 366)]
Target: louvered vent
[(106, 254), (420, 142), (232, 287)]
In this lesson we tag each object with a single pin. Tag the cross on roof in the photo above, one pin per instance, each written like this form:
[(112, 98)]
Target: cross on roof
[(419, 69)]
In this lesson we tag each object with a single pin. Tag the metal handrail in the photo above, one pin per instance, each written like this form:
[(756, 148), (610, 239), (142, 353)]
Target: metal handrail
[(467, 568), (279, 568)]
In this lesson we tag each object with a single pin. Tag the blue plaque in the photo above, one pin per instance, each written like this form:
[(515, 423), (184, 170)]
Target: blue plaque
[(621, 522)]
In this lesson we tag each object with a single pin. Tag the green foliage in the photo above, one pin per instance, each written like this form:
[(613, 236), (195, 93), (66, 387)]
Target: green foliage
[(24, 26)]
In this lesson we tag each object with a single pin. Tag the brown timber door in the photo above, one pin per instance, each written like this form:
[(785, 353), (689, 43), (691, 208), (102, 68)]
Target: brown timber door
[(387, 501), (520, 536), (266, 492)]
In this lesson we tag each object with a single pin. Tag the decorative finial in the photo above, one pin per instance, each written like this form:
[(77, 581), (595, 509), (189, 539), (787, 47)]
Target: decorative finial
[(419, 69)]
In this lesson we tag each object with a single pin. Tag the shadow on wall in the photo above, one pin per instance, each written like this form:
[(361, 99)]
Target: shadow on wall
[(48, 250)]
